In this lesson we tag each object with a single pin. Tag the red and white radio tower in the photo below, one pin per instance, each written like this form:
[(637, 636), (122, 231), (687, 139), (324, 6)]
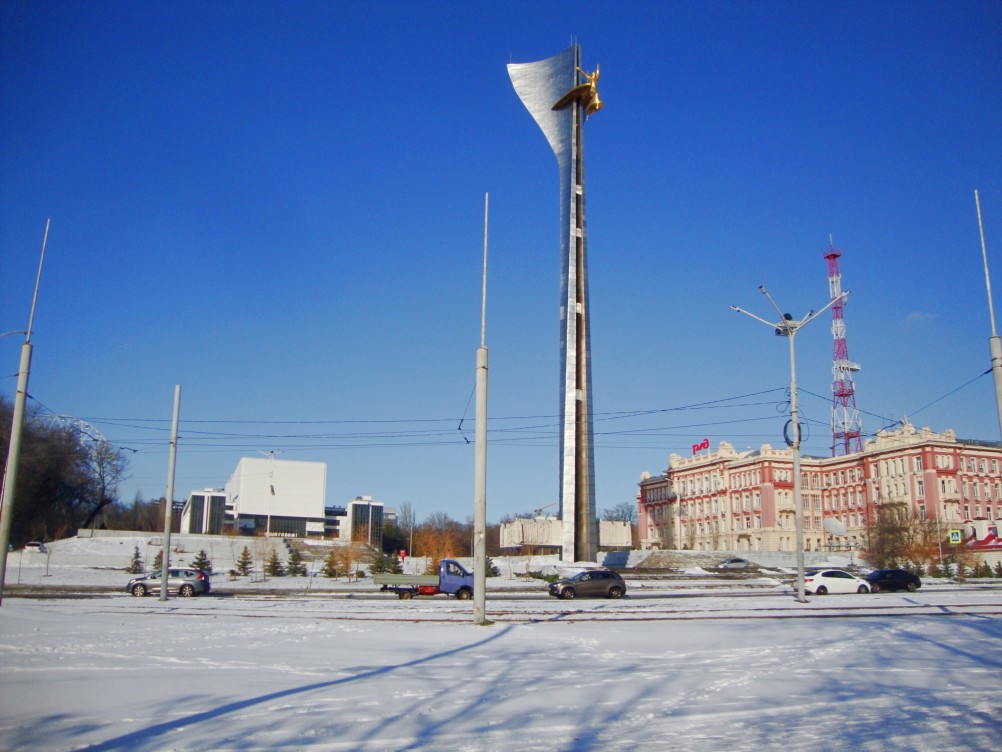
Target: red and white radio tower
[(846, 428)]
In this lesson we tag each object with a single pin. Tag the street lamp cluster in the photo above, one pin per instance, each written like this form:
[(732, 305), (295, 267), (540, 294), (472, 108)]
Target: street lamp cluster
[(788, 327)]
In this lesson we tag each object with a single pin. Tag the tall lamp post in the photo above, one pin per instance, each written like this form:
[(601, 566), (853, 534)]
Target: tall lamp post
[(788, 327), (271, 487)]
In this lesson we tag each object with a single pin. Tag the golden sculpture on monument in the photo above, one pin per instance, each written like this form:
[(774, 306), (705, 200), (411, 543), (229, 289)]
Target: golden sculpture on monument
[(585, 94)]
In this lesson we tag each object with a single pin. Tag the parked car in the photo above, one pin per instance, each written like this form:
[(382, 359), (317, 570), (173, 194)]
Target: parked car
[(591, 582), (893, 579), (734, 563), (36, 547), (824, 581), (185, 581)]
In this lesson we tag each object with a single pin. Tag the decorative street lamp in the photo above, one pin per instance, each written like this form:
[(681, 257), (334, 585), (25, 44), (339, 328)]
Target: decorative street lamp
[(788, 327)]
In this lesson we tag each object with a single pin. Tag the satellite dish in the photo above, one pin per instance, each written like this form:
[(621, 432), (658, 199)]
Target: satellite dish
[(835, 527)]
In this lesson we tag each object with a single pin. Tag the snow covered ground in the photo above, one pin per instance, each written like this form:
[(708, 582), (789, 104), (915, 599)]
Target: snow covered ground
[(730, 666), (715, 672)]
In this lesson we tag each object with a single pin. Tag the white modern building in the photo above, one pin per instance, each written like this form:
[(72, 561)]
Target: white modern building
[(205, 512), (365, 520), (267, 496)]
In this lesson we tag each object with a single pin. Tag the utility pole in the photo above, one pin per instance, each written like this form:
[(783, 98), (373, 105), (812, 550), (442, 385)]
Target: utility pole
[(788, 327), (14, 449), (480, 463), (994, 343), (169, 512)]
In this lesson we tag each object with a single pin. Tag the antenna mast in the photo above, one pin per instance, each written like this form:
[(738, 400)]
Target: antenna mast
[(846, 427)]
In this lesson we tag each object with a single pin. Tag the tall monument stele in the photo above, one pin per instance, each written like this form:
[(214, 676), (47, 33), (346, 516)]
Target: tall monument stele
[(560, 96)]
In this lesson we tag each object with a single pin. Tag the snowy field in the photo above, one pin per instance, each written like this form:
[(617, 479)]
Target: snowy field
[(694, 662), (659, 670)]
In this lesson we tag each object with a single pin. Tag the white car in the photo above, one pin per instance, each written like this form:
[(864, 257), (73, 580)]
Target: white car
[(824, 581)]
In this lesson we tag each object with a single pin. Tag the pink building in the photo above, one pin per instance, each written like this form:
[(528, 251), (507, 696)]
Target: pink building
[(743, 501)]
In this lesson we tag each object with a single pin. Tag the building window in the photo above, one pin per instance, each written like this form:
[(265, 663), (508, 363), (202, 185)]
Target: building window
[(920, 488)]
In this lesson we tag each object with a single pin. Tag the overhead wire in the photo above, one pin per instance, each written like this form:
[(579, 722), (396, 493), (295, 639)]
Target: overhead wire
[(535, 430), (889, 422)]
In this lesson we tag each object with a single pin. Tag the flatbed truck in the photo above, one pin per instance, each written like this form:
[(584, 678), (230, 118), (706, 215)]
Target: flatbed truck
[(452, 579)]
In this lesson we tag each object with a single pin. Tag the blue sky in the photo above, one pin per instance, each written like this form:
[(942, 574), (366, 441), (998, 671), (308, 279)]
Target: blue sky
[(279, 206)]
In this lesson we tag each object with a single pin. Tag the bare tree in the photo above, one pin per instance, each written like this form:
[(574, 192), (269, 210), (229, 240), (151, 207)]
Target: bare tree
[(897, 536), (65, 479), (624, 511), (406, 518), (106, 466), (441, 537)]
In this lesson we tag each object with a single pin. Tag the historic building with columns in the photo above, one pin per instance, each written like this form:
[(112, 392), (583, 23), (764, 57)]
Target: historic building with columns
[(743, 501)]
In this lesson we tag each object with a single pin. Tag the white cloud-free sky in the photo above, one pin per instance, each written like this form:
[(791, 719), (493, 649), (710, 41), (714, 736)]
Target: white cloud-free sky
[(279, 206)]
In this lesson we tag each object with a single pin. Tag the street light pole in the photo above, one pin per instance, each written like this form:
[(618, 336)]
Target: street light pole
[(480, 459), (14, 447), (788, 327), (994, 342), (169, 507), (271, 488)]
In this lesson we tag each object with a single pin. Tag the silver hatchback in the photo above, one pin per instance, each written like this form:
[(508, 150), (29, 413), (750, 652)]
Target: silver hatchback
[(601, 583), (185, 581)]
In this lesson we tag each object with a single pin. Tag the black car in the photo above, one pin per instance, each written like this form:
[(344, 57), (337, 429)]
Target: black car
[(893, 579), (591, 582)]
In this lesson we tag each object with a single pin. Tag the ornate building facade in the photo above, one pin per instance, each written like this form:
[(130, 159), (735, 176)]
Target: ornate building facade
[(744, 501)]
